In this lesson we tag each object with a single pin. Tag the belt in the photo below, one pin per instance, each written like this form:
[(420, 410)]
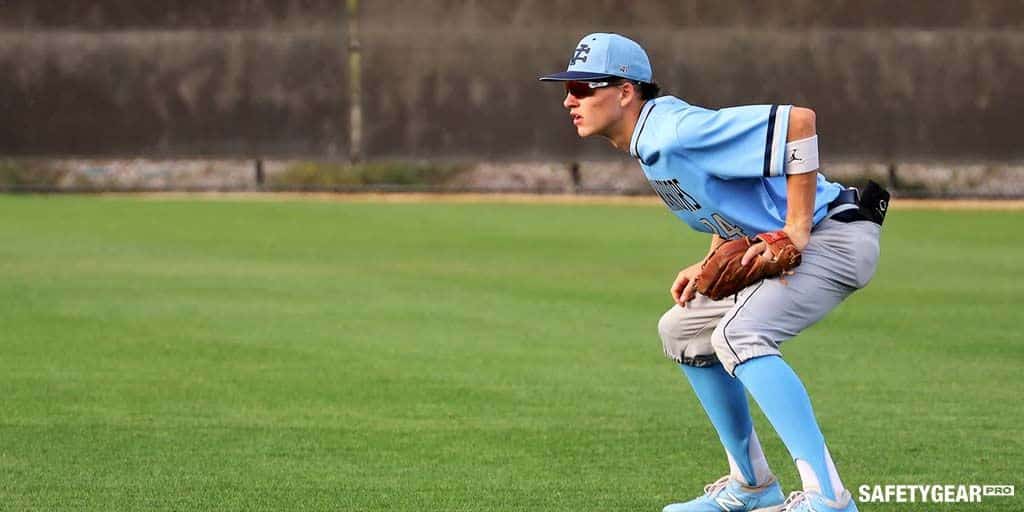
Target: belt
[(846, 196)]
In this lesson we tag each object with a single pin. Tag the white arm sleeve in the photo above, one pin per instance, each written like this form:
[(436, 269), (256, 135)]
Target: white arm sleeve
[(802, 156)]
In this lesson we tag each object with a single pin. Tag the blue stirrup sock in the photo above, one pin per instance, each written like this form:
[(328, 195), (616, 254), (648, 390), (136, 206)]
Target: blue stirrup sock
[(784, 401), (725, 401)]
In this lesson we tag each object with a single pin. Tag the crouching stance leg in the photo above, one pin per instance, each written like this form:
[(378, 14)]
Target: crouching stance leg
[(686, 338)]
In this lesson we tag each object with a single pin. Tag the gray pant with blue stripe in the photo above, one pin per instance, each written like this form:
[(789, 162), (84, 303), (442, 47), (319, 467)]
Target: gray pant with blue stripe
[(839, 259)]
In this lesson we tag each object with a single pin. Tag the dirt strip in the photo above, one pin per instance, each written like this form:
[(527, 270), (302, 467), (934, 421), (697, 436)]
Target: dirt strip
[(426, 197), (958, 204)]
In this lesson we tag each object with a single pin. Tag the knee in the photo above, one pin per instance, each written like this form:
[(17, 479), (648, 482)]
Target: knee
[(734, 343), (720, 340), (670, 325), (683, 343), (724, 348)]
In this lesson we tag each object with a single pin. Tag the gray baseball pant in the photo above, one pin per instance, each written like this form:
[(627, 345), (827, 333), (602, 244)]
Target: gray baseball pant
[(839, 259)]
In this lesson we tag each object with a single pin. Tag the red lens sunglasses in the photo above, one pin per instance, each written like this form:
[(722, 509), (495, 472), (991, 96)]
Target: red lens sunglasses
[(585, 89)]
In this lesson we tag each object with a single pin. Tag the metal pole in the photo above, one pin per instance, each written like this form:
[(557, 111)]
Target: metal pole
[(260, 175), (355, 109), (893, 179)]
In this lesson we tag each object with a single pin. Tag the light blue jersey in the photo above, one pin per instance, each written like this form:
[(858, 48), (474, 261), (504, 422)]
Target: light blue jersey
[(720, 171)]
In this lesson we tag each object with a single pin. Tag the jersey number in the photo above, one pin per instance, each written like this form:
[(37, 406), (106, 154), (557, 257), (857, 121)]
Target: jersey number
[(721, 227)]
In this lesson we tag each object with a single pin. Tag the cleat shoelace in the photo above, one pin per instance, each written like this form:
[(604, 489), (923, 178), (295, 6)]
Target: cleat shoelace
[(717, 486), (794, 499)]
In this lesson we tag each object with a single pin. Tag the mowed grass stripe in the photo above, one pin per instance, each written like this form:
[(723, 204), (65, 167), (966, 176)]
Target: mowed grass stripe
[(239, 355)]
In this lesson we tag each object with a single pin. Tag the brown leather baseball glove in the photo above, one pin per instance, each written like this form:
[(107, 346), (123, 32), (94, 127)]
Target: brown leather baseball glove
[(722, 274)]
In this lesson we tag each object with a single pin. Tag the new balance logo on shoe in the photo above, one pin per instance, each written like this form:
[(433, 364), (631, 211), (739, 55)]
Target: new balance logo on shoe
[(728, 501)]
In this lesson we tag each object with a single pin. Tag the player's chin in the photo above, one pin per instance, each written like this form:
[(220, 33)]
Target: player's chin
[(584, 131), (588, 128)]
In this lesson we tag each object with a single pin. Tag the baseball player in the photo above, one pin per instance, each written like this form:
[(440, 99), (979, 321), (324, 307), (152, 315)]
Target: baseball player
[(732, 173)]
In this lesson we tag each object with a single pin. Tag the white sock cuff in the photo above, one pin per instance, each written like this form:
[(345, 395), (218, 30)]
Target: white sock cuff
[(758, 462), (762, 472), (809, 478)]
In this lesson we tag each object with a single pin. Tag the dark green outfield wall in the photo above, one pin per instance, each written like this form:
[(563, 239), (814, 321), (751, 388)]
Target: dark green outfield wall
[(890, 80)]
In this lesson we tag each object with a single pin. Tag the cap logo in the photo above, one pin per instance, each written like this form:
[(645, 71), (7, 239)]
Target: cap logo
[(580, 54), (623, 68)]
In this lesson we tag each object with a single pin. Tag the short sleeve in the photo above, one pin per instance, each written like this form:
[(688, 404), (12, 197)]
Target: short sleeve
[(736, 142)]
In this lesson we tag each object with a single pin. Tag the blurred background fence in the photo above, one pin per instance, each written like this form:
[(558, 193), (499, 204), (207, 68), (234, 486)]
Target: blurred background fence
[(239, 94)]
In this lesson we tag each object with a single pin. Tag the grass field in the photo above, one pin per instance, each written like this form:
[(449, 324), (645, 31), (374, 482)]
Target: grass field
[(238, 355)]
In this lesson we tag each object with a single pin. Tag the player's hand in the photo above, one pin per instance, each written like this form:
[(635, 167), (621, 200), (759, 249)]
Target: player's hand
[(684, 288), (799, 237), (758, 250)]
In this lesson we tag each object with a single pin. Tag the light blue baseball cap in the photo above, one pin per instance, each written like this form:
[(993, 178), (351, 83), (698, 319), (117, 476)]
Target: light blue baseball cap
[(601, 55)]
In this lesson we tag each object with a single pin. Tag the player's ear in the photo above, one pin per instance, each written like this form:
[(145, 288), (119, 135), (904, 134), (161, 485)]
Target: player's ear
[(626, 93)]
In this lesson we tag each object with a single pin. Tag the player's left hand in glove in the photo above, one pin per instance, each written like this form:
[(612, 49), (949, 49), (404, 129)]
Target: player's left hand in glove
[(724, 274)]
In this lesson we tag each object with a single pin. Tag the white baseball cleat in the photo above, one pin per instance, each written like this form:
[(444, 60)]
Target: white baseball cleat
[(811, 501), (728, 495)]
